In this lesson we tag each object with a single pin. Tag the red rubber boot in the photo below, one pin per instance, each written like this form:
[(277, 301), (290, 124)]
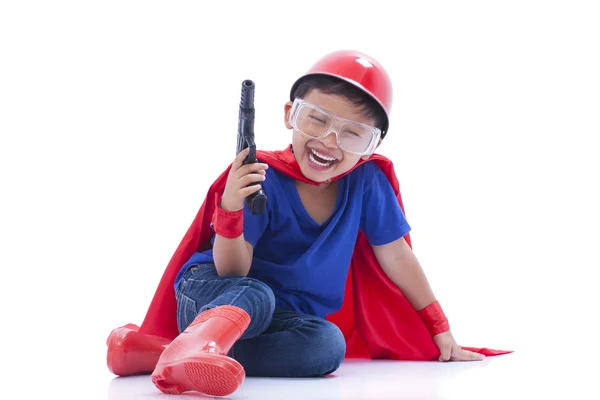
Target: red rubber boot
[(133, 353), (197, 360)]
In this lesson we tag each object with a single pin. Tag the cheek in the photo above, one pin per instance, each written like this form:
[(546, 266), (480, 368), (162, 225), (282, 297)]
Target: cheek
[(350, 159), (298, 141), (347, 163)]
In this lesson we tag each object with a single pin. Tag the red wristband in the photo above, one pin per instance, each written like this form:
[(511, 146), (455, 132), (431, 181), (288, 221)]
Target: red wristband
[(434, 319), (225, 223)]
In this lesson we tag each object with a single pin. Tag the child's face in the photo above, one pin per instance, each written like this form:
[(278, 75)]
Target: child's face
[(308, 150)]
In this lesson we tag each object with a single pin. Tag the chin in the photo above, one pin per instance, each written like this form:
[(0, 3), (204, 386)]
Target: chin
[(312, 175)]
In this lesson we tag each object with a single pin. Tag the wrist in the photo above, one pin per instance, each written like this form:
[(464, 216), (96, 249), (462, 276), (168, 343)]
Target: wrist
[(229, 224), (434, 319), (225, 204)]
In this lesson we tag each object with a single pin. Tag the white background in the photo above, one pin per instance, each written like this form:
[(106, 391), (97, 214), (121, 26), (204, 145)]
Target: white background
[(115, 116)]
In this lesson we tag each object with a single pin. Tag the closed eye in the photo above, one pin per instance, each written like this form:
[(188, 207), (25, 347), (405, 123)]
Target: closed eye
[(352, 133), (317, 119)]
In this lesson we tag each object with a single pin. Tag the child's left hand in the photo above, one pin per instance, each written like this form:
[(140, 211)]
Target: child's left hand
[(451, 351)]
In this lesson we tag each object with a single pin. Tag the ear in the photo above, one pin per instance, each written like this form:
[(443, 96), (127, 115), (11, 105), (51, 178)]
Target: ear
[(369, 155), (286, 114)]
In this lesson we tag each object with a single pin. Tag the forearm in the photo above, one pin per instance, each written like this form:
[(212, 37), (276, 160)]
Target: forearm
[(411, 280), (402, 267), (231, 253), (232, 256)]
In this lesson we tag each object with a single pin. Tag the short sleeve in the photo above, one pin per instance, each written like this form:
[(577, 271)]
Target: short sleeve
[(382, 219)]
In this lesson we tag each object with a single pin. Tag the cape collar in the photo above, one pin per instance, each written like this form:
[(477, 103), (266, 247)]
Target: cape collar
[(285, 161)]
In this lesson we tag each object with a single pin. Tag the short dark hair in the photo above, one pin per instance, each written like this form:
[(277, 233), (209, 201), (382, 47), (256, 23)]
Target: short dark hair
[(336, 86)]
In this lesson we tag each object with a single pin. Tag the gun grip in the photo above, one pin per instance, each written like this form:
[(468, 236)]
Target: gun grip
[(257, 202)]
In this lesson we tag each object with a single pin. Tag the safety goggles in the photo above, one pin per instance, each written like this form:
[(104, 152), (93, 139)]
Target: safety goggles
[(315, 123)]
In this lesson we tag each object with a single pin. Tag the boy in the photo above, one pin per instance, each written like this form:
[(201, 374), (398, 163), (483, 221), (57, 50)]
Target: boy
[(260, 300)]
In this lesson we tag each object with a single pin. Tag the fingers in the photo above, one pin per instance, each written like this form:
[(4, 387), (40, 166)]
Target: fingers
[(251, 178), (239, 159), (247, 191), (466, 355), (243, 180), (240, 169), (250, 169), (445, 353)]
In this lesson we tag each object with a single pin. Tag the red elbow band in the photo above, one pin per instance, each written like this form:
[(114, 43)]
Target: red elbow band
[(434, 319), (225, 223)]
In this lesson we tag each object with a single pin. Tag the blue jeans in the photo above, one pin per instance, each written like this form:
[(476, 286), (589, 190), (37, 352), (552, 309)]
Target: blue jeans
[(277, 343)]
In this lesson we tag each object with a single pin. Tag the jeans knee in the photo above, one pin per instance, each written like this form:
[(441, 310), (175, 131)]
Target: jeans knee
[(334, 345), (262, 294), (261, 301), (326, 352)]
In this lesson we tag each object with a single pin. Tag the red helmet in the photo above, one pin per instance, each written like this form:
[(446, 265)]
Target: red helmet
[(360, 70)]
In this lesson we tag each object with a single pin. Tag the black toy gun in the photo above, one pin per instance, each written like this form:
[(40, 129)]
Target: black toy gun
[(257, 201)]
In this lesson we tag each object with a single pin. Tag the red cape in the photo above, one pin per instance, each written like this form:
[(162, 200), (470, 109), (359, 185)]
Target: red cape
[(376, 319)]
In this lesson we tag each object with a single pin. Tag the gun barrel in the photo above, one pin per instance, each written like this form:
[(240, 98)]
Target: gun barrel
[(247, 100), (246, 121)]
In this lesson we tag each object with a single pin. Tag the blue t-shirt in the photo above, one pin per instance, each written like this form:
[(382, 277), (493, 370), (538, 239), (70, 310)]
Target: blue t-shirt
[(304, 263)]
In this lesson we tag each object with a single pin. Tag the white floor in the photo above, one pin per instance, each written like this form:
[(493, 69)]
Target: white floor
[(503, 377)]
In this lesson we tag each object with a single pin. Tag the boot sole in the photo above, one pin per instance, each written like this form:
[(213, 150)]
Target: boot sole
[(211, 374)]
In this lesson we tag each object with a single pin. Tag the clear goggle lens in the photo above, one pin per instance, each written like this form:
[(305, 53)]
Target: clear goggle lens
[(352, 136)]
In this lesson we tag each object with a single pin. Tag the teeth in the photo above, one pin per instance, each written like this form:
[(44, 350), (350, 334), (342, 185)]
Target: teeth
[(323, 156), (312, 158)]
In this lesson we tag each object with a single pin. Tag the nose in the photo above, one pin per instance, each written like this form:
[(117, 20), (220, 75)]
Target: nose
[(331, 139)]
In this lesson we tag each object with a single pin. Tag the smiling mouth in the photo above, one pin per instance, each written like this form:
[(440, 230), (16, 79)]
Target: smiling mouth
[(320, 159)]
